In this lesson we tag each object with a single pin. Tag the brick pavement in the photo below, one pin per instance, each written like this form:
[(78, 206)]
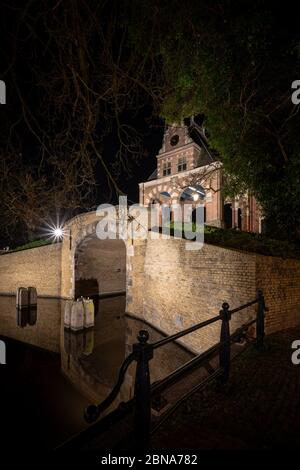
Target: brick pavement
[(259, 408)]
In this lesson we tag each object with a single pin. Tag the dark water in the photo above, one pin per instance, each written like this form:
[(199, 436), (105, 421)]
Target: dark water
[(52, 374)]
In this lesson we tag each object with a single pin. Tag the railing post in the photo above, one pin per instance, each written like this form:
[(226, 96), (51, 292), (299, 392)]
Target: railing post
[(224, 353), (260, 319), (142, 391)]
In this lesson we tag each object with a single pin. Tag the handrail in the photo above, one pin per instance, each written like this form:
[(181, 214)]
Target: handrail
[(185, 332), (189, 330), (242, 307), (143, 353), (97, 428), (93, 412), (180, 371)]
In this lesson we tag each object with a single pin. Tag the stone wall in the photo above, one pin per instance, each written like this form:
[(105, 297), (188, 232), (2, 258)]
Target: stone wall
[(165, 360), (38, 267), (173, 288), (280, 280)]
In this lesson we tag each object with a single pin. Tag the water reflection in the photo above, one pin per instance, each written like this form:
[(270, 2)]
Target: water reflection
[(26, 316), (66, 371), (44, 334), (91, 358), (78, 343)]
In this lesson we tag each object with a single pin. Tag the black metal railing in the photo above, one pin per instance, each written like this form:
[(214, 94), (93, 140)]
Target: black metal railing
[(144, 392)]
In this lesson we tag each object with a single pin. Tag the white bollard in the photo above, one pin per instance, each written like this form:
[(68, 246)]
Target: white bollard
[(77, 316), (67, 313), (89, 313)]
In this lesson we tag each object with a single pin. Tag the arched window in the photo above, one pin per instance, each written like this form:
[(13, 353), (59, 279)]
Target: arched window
[(192, 193)]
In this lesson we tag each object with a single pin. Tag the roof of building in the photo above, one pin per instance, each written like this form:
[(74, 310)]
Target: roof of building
[(153, 175), (197, 134)]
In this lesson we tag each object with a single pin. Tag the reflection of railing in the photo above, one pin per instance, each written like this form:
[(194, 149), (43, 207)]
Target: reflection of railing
[(145, 393)]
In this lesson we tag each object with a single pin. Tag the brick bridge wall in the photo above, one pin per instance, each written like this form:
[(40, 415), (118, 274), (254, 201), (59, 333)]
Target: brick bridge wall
[(39, 267), (173, 288)]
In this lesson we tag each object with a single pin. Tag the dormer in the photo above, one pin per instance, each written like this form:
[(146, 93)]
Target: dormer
[(175, 136), (179, 152)]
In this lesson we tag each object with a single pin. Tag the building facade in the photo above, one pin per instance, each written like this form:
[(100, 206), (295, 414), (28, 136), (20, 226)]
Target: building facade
[(188, 171)]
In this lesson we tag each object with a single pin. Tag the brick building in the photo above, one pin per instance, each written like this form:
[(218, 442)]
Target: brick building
[(188, 171)]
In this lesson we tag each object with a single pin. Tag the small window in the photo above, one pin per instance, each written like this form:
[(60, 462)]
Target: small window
[(181, 164), (174, 140), (166, 168)]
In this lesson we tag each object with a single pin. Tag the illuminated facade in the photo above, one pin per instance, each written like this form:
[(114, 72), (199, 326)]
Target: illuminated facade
[(185, 163)]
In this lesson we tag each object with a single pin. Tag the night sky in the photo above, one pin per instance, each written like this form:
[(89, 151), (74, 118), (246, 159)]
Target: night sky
[(28, 59)]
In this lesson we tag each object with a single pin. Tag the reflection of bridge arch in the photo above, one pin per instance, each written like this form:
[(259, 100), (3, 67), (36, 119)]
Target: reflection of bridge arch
[(91, 358)]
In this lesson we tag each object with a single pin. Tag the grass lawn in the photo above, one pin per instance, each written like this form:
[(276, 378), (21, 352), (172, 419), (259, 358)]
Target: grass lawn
[(246, 241), (32, 244)]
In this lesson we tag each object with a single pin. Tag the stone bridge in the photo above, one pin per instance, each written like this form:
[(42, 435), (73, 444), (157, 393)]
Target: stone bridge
[(93, 265), (166, 285)]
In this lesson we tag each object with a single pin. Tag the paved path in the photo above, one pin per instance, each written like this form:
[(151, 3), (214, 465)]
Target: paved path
[(258, 408)]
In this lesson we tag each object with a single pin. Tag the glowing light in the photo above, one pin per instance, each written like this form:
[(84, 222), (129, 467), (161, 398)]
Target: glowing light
[(54, 232), (195, 197), (58, 232)]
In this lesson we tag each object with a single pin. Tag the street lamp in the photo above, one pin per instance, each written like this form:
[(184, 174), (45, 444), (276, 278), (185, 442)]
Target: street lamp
[(193, 193)]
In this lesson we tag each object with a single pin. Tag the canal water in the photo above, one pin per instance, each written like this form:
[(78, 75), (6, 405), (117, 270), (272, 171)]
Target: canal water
[(52, 374)]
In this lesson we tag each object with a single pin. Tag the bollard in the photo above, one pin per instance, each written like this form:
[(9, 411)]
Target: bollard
[(142, 391), (67, 313), (89, 312), (77, 316), (32, 296), (22, 297), (224, 353)]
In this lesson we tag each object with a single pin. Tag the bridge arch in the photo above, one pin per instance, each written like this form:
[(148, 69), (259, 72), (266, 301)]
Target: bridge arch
[(81, 240)]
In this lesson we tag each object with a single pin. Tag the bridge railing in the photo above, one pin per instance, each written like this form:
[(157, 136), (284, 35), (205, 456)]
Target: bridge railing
[(144, 392)]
